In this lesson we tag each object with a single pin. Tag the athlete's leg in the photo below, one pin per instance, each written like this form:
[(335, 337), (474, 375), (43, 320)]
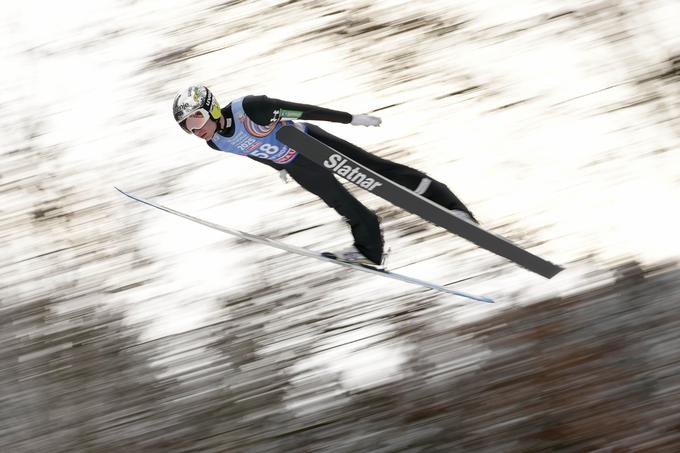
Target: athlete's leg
[(406, 176), (364, 224)]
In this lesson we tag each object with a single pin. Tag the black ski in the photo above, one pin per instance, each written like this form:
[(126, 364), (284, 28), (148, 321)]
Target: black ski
[(404, 198)]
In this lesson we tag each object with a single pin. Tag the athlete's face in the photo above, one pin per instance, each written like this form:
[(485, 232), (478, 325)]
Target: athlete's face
[(207, 131)]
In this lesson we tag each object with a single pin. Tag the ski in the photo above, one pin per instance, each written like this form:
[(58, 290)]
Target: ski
[(408, 200), (306, 252)]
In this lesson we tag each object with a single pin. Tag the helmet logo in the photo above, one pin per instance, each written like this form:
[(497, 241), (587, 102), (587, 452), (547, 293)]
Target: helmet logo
[(182, 107), (198, 94)]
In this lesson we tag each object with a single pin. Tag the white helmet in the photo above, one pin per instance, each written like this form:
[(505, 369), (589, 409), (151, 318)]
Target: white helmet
[(197, 99)]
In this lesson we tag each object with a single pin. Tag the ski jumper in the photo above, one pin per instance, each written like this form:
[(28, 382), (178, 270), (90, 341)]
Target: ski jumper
[(255, 120)]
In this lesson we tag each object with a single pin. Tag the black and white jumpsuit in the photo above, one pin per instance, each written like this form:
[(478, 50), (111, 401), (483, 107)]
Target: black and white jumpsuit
[(364, 223)]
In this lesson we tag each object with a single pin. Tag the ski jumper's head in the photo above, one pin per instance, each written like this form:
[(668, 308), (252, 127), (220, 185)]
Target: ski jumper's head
[(197, 111)]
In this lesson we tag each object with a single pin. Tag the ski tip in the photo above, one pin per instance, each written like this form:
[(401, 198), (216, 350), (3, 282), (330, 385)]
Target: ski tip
[(128, 194)]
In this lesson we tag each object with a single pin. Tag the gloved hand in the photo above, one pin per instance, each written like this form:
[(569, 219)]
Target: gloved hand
[(365, 120)]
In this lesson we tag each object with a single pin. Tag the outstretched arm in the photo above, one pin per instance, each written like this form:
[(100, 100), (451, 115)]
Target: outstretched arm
[(263, 110)]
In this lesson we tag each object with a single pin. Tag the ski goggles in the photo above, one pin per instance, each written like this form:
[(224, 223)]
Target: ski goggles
[(195, 121)]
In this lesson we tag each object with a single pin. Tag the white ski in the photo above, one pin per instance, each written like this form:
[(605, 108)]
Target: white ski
[(306, 252)]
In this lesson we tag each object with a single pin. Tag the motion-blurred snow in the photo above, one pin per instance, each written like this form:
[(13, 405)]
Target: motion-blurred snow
[(558, 123)]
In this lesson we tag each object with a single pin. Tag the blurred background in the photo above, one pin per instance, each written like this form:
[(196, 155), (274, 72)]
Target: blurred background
[(127, 329)]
